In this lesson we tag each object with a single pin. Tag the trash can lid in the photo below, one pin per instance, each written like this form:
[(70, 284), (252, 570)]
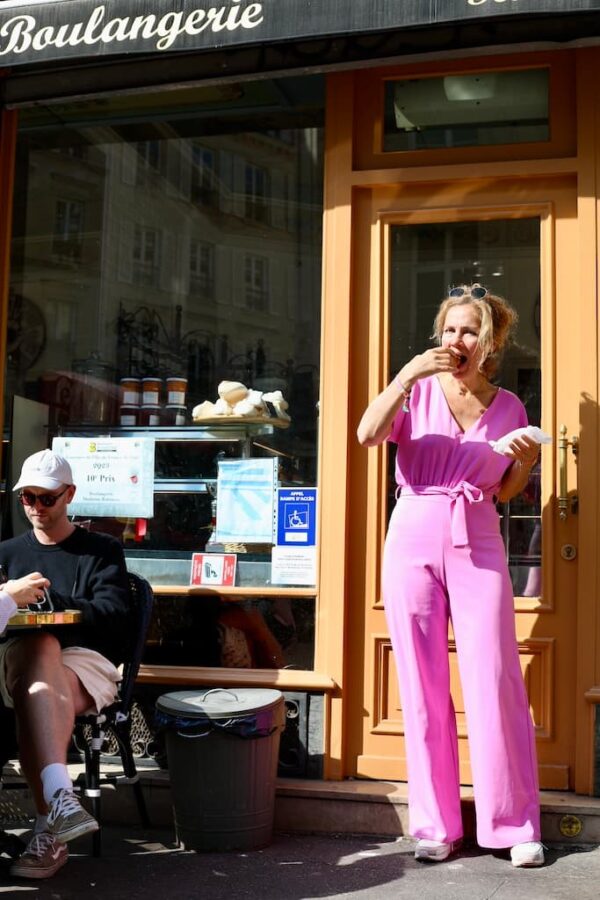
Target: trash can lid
[(218, 703)]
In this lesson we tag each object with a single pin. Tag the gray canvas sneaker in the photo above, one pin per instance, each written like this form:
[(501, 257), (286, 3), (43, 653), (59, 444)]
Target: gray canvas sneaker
[(43, 856), (67, 819)]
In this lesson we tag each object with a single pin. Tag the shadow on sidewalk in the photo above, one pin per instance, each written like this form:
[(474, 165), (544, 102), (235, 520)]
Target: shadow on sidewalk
[(146, 864)]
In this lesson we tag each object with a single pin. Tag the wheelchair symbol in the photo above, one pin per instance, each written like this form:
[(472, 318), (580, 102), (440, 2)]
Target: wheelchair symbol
[(298, 518)]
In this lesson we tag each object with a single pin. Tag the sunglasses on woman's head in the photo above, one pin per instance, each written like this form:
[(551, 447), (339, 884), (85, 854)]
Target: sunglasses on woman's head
[(28, 498), (476, 291)]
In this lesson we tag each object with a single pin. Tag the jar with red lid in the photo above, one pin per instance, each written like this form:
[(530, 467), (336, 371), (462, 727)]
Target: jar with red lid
[(151, 388)]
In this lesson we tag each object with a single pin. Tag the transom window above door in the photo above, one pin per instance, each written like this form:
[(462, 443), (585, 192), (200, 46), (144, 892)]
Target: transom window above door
[(467, 109)]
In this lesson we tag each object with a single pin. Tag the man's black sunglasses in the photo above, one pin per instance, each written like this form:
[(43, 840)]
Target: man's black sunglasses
[(28, 498), (476, 291)]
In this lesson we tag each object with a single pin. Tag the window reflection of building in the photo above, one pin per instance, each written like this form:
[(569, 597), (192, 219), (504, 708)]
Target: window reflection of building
[(204, 184), (68, 230), (149, 161), (77, 151), (256, 193), (146, 255), (202, 268), (256, 283), (218, 238)]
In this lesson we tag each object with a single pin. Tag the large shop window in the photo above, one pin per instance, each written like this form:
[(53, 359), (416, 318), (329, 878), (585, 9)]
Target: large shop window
[(164, 333)]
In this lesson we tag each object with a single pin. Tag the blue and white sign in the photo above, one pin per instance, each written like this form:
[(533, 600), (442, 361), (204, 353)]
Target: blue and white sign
[(297, 517), (245, 500)]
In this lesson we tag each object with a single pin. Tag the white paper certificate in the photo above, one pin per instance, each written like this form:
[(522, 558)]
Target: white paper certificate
[(246, 500), (114, 476)]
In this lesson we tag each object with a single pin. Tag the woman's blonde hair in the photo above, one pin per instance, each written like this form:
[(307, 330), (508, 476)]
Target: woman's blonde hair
[(497, 319)]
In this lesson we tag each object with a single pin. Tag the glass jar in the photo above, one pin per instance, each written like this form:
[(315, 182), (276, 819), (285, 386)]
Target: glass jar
[(131, 391), (129, 414), (150, 414), (151, 391), (174, 415), (176, 391)]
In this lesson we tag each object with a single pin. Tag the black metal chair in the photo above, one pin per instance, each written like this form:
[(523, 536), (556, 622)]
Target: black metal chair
[(90, 730), (10, 844)]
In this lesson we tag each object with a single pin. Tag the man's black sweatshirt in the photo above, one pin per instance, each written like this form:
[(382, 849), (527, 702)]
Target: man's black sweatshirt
[(87, 572)]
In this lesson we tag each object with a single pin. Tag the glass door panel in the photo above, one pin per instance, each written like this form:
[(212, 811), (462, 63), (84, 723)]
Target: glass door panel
[(503, 255)]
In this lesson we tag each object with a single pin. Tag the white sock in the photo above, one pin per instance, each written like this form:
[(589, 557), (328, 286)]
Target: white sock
[(40, 824), (54, 777)]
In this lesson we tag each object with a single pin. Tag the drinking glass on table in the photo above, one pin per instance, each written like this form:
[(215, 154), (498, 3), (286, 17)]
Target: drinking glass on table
[(43, 605)]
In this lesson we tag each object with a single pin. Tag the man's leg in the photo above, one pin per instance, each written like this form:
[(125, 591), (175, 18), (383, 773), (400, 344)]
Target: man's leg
[(47, 696)]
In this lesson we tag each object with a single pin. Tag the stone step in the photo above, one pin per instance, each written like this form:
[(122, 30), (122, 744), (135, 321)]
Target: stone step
[(342, 807), (381, 807), (369, 807)]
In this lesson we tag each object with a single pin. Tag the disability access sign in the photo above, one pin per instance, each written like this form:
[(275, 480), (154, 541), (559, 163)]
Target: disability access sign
[(296, 517), (294, 556), (42, 30)]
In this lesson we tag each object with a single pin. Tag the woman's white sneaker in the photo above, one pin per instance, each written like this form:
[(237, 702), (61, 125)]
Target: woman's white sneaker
[(433, 851), (527, 855)]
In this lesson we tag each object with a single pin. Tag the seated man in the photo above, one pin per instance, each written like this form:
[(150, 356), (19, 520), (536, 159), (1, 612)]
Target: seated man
[(51, 677)]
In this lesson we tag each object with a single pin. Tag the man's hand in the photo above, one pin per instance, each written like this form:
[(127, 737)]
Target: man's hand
[(28, 589)]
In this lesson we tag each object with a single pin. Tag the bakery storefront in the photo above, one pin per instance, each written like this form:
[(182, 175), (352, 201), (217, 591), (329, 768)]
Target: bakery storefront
[(222, 227)]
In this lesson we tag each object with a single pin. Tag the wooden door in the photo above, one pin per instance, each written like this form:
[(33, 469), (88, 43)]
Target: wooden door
[(519, 239)]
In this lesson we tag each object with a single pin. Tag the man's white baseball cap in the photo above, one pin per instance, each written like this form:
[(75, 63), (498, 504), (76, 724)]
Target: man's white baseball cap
[(45, 469)]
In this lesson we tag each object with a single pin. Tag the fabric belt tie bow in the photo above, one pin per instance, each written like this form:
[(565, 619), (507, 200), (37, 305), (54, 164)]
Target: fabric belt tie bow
[(460, 494)]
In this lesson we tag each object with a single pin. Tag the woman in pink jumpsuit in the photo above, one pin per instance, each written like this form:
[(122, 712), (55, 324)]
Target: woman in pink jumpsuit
[(444, 559)]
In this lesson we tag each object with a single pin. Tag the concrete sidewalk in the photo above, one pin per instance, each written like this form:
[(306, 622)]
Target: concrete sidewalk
[(145, 864)]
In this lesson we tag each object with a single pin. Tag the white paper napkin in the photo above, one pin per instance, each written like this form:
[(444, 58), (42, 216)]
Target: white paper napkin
[(531, 431)]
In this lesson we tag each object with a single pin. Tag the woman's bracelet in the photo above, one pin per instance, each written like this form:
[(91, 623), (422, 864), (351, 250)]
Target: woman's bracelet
[(403, 390), (528, 466)]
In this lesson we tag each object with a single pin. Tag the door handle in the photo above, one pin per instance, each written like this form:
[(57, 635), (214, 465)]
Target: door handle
[(563, 494)]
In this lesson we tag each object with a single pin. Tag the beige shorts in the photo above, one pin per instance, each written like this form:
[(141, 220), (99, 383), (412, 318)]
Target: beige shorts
[(96, 673)]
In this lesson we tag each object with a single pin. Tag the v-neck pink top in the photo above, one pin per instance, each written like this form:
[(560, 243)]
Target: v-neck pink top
[(433, 450)]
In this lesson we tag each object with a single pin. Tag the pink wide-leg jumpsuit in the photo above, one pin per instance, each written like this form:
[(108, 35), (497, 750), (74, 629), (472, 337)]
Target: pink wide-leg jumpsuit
[(444, 559)]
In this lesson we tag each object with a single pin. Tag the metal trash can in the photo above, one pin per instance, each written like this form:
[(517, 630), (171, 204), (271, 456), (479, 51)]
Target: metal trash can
[(222, 750)]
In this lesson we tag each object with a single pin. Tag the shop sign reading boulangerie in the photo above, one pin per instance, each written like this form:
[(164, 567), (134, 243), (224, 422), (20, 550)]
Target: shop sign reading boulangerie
[(61, 29), (113, 476)]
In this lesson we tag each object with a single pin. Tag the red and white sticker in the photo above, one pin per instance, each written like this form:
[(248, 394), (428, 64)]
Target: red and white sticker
[(213, 569)]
